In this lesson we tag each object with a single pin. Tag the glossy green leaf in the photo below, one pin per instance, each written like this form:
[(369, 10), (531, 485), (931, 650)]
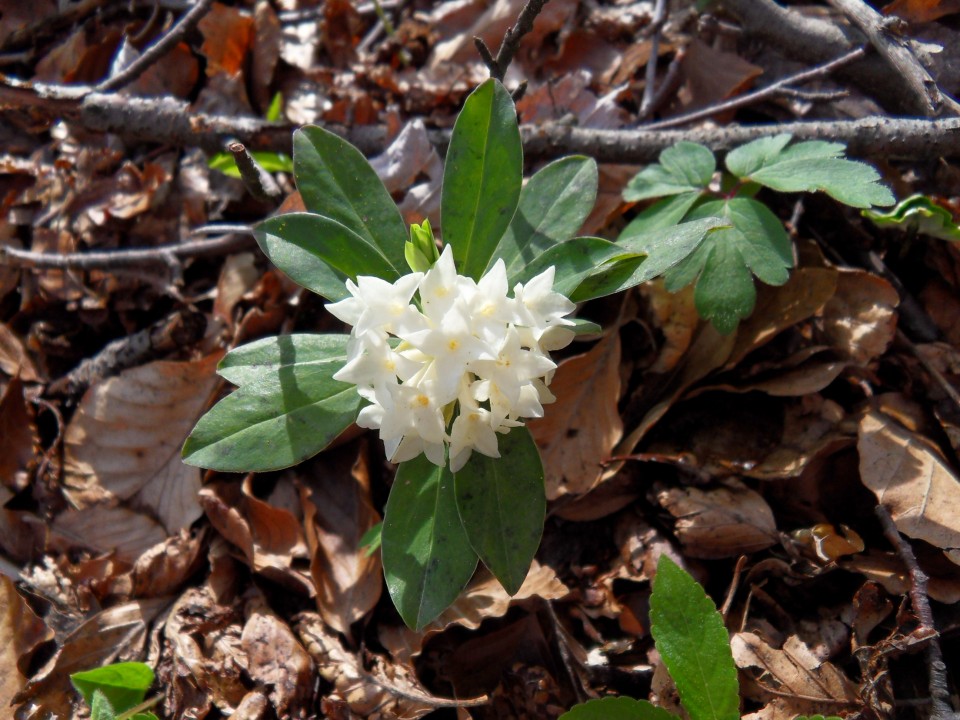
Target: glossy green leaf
[(919, 214), (694, 644), (663, 249), (319, 253), (682, 168), (335, 180), (100, 707), (279, 417), (502, 503), (575, 261), (617, 708), (124, 685), (268, 356), (427, 559), (482, 175), (553, 205), (809, 167)]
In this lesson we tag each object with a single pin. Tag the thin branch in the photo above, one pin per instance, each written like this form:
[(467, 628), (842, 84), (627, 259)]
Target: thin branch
[(656, 25), (187, 22), (258, 181), (763, 93), (916, 80), (919, 599), (511, 40)]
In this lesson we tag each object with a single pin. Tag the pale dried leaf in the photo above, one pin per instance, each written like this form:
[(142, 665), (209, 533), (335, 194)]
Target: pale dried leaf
[(108, 529), (910, 479), (860, 320), (889, 570), (20, 632), (409, 155), (579, 431), (338, 511), (126, 436), (238, 277), (720, 522), (166, 566), (13, 357)]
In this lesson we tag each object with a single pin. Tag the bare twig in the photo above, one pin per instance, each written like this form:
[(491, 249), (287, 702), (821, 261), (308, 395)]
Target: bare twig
[(656, 25), (763, 93), (511, 40), (916, 80), (939, 691), (152, 54), (671, 81), (258, 181)]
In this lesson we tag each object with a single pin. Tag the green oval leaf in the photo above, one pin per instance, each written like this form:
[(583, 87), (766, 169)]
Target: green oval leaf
[(276, 418), (553, 205), (503, 504), (318, 252), (269, 355), (617, 708), (335, 180), (575, 260), (123, 685), (691, 638), (482, 175), (427, 559)]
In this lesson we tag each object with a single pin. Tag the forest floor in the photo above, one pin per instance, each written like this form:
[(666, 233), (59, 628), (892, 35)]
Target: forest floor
[(779, 464)]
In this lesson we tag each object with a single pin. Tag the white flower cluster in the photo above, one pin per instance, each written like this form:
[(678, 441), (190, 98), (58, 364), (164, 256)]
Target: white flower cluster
[(470, 354)]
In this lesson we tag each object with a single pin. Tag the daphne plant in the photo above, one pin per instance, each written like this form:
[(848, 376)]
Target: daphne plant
[(449, 352)]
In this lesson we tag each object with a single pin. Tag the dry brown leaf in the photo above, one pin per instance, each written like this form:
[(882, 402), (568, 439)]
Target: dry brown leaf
[(677, 318), (911, 480), (276, 659), (791, 678), (124, 441), (238, 276), (118, 632), (227, 35), (162, 569), (13, 357), (408, 156), (269, 537), (922, 11), (720, 522), (18, 437), (267, 33), (941, 302), (889, 570), (710, 76), (860, 320), (20, 632), (582, 427), (338, 510), (107, 529)]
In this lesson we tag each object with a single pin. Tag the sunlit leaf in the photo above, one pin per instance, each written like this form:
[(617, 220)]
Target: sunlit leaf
[(682, 168), (124, 685), (920, 214), (617, 708)]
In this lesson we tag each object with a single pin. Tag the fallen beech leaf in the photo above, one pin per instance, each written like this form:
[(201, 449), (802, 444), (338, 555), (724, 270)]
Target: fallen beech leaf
[(227, 35), (710, 76), (580, 429), (338, 511), (676, 316), (21, 631), (409, 155), (267, 33), (792, 678), (108, 529), (13, 357), (911, 480), (124, 441), (165, 567), (18, 437), (238, 276), (889, 570), (721, 522), (922, 11), (860, 319), (277, 660)]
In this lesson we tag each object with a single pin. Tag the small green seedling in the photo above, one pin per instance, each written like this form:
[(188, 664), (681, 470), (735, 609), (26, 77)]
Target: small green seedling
[(116, 692), (270, 161), (724, 264), (918, 214)]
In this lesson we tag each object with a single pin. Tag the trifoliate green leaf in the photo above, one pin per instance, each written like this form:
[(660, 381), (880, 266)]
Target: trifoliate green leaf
[(808, 167), (683, 167), (920, 214)]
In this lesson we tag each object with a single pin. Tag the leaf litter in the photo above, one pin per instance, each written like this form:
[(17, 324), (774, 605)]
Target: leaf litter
[(255, 597)]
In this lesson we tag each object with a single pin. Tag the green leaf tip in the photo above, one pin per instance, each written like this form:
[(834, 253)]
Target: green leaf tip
[(421, 250)]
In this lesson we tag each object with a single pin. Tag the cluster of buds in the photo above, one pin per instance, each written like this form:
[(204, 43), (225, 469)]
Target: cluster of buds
[(446, 361)]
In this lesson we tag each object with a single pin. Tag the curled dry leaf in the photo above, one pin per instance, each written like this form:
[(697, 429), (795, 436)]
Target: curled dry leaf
[(124, 441), (18, 437), (721, 522), (791, 679), (21, 631), (579, 431), (860, 320), (910, 479), (165, 567), (338, 511)]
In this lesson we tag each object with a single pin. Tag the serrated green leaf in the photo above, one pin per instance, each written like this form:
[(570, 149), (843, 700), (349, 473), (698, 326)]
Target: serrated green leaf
[(335, 180), (502, 503), (124, 685), (920, 214), (662, 214), (482, 175), (809, 167), (318, 252), (617, 708), (427, 558), (278, 418), (682, 168), (553, 205), (691, 638), (100, 707)]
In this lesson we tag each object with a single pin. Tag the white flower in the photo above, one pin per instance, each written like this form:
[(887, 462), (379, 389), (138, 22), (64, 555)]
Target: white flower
[(461, 355)]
